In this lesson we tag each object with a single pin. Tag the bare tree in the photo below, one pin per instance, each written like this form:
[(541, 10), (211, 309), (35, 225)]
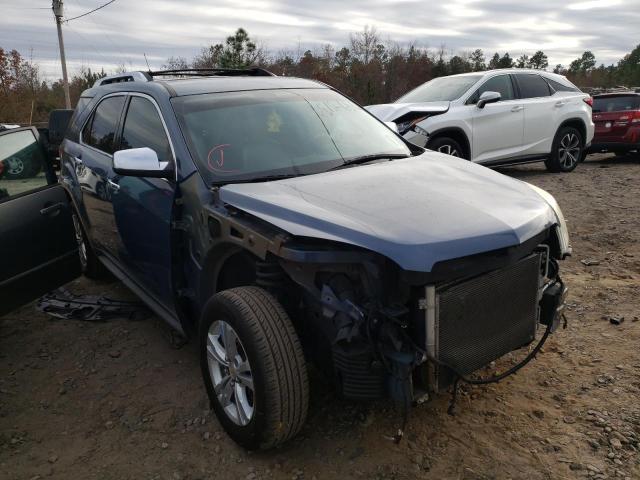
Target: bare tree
[(363, 44)]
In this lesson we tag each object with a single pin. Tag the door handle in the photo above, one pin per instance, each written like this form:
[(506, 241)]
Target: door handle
[(52, 209), (560, 103), (113, 184), (517, 108)]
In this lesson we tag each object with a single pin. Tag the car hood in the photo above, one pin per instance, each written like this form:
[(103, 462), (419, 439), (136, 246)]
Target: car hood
[(389, 112), (416, 211)]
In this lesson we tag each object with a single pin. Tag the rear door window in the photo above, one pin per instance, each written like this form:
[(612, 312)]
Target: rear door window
[(500, 83), (100, 131), (143, 128), (532, 86), (82, 104), (560, 87), (620, 103)]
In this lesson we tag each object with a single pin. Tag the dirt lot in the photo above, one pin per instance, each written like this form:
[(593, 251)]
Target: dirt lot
[(115, 400)]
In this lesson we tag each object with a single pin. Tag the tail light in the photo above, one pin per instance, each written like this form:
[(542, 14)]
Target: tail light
[(588, 101), (631, 117)]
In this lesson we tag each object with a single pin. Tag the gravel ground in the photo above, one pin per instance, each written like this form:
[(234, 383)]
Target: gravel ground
[(119, 400)]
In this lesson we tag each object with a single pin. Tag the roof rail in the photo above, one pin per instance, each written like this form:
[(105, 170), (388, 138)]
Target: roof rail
[(182, 72), (123, 77), (206, 72)]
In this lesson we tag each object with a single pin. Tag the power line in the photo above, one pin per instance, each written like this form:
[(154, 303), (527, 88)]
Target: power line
[(89, 44), (117, 46), (90, 11)]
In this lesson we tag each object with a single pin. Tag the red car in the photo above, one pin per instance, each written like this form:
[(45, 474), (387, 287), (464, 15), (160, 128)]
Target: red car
[(617, 120)]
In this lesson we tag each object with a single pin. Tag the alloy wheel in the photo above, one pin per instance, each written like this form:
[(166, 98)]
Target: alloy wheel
[(16, 166), (569, 150), (82, 246), (230, 372), (449, 150)]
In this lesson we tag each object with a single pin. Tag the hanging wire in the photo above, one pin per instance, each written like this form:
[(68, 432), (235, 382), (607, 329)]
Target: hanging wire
[(90, 11), (89, 44)]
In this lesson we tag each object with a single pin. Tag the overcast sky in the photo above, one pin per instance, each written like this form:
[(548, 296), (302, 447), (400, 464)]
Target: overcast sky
[(123, 31)]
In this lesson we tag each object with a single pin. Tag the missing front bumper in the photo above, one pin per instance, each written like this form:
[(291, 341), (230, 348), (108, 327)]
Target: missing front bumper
[(468, 324)]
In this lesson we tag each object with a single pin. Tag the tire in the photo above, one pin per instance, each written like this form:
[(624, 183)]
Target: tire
[(90, 265), (101, 192), (448, 146), (17, 168), (268, 356), (566, 151)]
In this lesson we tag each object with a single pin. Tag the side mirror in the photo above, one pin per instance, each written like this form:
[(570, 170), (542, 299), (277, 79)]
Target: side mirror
[(392, 126), (140, 162), (488, 97)]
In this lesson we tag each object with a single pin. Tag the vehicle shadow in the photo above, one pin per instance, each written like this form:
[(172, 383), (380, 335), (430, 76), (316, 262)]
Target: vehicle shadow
[(602, 160), (523, 171)]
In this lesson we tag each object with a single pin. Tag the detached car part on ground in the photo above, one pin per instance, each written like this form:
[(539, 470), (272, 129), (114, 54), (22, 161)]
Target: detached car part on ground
[(247, 212), (498, 117)]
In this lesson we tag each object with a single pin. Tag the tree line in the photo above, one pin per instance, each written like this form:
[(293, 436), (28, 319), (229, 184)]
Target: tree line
[(367, 69)]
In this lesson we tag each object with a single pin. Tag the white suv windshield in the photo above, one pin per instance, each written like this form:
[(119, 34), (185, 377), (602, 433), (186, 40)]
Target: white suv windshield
[(441, 89), (237, 136)]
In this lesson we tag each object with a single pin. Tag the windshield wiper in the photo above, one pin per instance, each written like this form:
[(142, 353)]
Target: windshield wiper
[(347, 163), (370, 158), (265, 178)]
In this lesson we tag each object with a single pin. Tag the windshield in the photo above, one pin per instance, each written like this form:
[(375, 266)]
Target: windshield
[(237, 136), (441, 89)]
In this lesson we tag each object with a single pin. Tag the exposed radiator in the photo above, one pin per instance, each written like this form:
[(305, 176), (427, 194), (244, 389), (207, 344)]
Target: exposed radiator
[(471, 323)]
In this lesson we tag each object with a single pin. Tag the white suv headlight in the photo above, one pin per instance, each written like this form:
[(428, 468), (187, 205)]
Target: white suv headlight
[(561, 227)]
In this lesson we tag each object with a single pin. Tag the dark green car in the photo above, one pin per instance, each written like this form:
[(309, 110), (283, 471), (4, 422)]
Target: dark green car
[(25, 163)]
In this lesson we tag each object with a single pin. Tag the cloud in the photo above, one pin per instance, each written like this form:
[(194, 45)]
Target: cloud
[(124, 31), (594, 4)]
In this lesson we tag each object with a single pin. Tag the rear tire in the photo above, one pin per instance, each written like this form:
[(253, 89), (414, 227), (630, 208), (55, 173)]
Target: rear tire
[(448, 146), (91, 266), (257, 381), (566, 151)]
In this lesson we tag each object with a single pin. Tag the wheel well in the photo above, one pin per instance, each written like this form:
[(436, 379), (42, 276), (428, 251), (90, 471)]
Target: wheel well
[(238, 270), (226, 266), (578, 125), (455, 133)]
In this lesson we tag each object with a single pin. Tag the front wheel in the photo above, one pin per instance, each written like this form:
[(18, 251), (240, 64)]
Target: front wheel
[(566, 150), (17, 168), (253, 367), (446, 145)]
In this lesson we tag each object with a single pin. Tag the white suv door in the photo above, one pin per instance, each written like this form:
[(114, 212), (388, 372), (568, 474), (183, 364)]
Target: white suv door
[(498, 128), (541, 111)]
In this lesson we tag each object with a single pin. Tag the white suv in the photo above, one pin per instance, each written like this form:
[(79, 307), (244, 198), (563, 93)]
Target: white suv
[(497, 117)]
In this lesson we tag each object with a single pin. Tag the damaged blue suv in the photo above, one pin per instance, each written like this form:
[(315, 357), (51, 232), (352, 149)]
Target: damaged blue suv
[(277, 222)]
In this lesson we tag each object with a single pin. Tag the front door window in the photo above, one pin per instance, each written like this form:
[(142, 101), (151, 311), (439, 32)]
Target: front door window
[(22, 164)]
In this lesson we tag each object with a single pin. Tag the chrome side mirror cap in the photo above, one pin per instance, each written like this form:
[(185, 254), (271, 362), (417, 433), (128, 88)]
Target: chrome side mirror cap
[(140, 162), (488, 97)]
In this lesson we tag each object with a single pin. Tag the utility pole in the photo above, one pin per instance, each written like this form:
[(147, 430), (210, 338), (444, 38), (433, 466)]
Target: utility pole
[(57, 12)]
